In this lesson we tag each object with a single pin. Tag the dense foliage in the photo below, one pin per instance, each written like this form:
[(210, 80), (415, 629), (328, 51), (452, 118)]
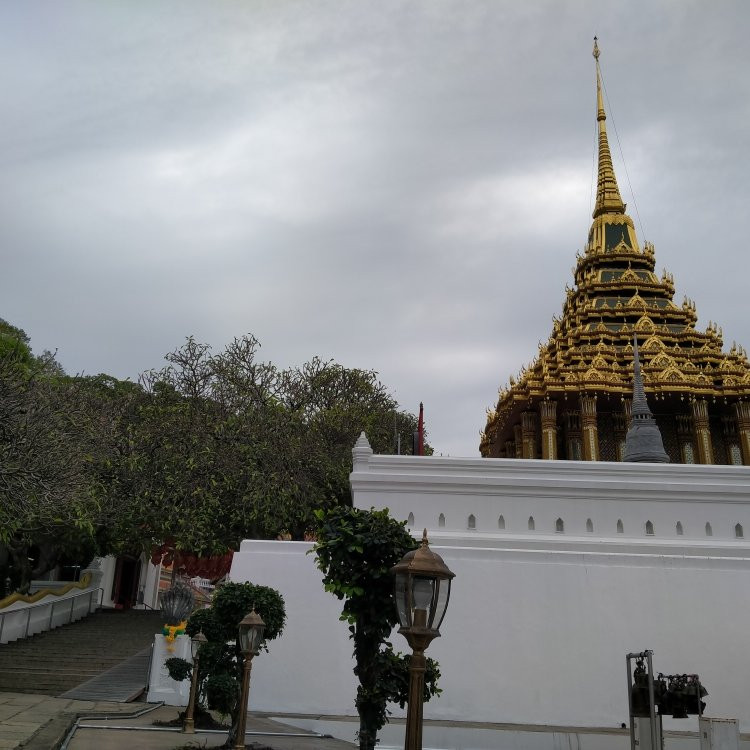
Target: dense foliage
[(356, 550), (49, 436), (196, 456), (221, 662), (225, 447)]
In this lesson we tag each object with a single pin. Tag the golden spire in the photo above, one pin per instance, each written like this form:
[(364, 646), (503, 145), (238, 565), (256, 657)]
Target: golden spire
[(608, 198)]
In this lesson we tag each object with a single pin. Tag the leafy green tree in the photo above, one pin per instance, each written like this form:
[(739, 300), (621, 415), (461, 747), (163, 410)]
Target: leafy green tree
[(208, 450), (58, 436), (223, 446), (47, 502), (356, 550), (220, 666)]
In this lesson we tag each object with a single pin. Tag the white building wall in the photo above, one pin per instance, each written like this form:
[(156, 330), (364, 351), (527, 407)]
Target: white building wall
[(309, 668), (539, 621), (107, 566)]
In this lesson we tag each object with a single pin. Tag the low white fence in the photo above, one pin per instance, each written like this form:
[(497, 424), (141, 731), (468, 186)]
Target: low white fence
[(24, 620)]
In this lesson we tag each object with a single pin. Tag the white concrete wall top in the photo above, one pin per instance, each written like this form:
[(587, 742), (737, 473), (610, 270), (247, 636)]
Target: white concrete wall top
[(684, 506)]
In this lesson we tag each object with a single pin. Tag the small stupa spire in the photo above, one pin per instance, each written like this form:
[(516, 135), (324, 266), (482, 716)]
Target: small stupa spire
[(643, 442), (608, 199)]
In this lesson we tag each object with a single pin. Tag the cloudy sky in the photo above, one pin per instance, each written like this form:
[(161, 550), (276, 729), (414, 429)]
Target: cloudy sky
[(399, 186)]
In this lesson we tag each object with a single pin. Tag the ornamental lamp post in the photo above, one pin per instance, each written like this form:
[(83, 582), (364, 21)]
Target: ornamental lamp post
[(250, 637), (422, 587), (195, 643)]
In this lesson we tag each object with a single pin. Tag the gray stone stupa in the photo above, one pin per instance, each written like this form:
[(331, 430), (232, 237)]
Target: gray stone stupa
[(643, 442)]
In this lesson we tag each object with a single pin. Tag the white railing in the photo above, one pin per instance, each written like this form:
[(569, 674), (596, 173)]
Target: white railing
[(37, 618)]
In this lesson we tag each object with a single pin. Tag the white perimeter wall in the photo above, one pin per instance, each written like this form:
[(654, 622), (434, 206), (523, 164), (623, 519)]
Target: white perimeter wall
[(539, 622)]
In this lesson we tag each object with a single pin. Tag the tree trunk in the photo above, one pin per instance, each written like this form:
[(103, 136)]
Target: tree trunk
[(22, 567), (235, 720), (366, 736)]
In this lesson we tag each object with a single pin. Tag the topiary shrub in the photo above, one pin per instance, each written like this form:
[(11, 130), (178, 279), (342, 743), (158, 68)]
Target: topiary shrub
[(220, 660)]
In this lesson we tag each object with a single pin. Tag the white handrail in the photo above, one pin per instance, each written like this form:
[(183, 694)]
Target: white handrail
[(51, 604)]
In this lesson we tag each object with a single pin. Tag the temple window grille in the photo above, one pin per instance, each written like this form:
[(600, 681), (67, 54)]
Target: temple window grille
[(620, 527), (501, 522), (687, 452), (410, 520), (441, 520), (620, 450), (649, 528), (709, 530), (575, 450), (738, 531), (532, 525), (678, 528), (735, 454), (560, 526), (472, 522), (589, 526)]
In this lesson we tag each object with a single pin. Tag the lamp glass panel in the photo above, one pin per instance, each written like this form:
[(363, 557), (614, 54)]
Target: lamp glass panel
[(194, 646), (255, 636), (244, 636), (443, 594), (402, 605), (422, 589)]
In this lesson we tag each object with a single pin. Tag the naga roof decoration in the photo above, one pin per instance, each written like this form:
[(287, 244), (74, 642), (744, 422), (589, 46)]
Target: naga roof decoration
[(617, 294)]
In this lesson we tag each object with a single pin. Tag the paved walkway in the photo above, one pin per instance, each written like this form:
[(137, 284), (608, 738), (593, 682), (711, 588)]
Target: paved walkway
[(122, 683), (37, 721), (40, 722)]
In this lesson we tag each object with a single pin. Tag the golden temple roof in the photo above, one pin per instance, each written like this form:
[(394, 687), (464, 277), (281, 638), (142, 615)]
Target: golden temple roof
[(616, 295)]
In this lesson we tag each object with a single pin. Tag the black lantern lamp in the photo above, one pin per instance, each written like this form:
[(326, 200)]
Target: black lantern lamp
[(250, 632), (195, 643), (422, 589)]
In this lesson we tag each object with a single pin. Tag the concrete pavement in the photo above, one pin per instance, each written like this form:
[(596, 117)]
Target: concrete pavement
[(40, 722), (33, 721)]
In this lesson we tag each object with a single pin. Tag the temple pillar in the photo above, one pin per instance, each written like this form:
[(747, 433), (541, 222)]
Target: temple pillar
[(518, 440), (528, 434), (589, 429), (702, 432), (742, 415), (548, 411)]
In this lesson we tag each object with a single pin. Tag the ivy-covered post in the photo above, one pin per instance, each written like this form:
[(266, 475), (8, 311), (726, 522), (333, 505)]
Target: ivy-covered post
[(356, 550)]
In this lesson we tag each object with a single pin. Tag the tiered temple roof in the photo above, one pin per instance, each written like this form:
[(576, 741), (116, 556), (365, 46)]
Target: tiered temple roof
[(573, 401)]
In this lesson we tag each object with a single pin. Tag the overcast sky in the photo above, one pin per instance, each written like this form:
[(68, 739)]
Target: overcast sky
[(399, 186)]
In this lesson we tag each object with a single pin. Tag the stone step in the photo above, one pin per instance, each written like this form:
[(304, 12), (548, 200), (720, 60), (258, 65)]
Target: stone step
[(54, 662)]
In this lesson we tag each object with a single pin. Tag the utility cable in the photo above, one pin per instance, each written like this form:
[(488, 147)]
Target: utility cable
[(622, 156)]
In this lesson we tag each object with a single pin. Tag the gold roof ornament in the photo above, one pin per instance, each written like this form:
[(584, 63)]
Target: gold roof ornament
[(608, 198), (615, 294)]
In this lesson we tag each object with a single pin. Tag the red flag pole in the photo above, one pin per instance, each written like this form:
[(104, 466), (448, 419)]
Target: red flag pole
[(420, 431)]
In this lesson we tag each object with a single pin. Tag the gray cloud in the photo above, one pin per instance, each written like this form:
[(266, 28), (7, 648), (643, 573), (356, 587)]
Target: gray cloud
[(400, 186)]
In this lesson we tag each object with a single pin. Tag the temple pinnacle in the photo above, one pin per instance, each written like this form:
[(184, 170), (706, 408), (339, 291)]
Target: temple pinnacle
[(643, 443), (608, 199)]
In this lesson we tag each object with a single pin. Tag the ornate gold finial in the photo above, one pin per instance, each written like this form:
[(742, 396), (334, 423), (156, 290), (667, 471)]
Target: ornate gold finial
[(608, 198)]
